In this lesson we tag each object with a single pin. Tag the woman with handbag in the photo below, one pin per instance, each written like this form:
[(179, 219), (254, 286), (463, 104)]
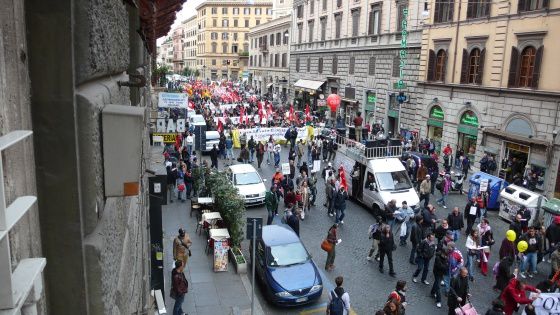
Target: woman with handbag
[(332, 240), (181, 250), (486, 240)]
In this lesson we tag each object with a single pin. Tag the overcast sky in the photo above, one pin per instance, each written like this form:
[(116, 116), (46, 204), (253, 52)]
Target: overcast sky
[(187, 11)]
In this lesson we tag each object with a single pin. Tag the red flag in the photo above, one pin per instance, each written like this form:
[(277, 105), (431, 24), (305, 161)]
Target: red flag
[(342, 175), (307, 113), (292, 113), (220, 127), (191, 104), (241, 114)]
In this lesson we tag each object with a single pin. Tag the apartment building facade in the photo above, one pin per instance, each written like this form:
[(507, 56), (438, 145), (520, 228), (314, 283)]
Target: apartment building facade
[(190, 27), (178, 37), (489, 87), (223, 37), (269, 57), (165, 53), (365, 51)]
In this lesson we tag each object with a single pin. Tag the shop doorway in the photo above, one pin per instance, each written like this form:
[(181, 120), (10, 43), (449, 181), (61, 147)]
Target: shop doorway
[(435, 126), (515, 159), (467, 134), (392, 127)]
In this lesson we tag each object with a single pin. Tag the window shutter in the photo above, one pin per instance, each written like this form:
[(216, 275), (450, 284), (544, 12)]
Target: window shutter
[(465, 67), (371, 70), (470, 9), (379, 21), (521, 5), (487, 7), (431, 65), (480, 66), (537, 68), (436, 12), (513, 67), (545, 4), (444, 67), (451, 10)]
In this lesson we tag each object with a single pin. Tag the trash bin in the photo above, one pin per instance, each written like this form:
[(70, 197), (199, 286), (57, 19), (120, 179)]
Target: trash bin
[(551, 209), (494, 186), (513, 198)]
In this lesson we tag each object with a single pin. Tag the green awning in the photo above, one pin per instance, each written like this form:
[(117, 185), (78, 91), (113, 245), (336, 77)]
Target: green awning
[(553, 206), (469, 130), (435, 122)]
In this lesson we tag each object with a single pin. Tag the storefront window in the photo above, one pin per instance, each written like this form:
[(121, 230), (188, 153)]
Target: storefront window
[(468, 133), (514, 161), (435, 126)]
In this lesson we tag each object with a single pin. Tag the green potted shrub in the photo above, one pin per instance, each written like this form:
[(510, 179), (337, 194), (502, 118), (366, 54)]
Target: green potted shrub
[(231, 207)]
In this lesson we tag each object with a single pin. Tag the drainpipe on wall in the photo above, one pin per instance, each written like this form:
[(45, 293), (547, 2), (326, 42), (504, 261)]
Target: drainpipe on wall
[(456, 44)]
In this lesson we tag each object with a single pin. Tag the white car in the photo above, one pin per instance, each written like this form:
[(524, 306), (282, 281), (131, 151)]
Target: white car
[(248, 182), (212, 138)]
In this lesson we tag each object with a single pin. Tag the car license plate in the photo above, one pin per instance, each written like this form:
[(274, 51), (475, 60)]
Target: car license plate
[(303, 299)]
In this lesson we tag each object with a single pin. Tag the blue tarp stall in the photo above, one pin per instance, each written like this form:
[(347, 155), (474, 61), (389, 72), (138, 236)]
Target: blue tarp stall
[(494, 186)]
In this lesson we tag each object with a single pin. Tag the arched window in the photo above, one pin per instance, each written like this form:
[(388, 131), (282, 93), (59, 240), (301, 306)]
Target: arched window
[(520, 126), (441, 59), (214, 47), (224, 48), (527, 66), (474, 63)]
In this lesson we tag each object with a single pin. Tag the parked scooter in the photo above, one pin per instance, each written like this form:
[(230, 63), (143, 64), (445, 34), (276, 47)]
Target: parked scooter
[(456, 181)]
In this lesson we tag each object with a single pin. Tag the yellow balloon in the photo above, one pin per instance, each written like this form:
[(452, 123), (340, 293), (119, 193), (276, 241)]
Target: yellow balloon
[(510, 235), (522, 246)]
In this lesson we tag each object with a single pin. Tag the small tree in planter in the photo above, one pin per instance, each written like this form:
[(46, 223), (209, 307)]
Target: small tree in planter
[(231, 207)]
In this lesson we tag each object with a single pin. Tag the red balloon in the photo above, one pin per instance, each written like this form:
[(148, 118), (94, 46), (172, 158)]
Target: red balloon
[(333, 101)]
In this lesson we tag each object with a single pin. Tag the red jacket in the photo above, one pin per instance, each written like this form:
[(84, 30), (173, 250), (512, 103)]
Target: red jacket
[(511, 296)]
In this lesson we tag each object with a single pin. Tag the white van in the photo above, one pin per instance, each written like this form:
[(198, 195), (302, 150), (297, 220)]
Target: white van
[(382, 176), (212, 137)]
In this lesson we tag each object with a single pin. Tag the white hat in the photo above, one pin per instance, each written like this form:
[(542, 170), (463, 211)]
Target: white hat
[(330, 164)]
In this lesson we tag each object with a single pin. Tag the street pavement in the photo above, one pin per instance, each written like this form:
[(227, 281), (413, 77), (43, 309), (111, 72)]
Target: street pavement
[(369, 289)]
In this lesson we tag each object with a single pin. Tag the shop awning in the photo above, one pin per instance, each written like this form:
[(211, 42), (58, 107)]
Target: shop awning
[(516, 138), (309, 85), (269, 85)]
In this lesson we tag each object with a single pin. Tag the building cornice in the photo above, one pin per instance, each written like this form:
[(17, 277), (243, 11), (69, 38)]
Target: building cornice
[(237, 3), (492, 91), (352, 49), (282, 22)]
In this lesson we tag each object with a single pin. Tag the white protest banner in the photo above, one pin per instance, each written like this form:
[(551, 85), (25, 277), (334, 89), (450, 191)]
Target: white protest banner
[(173, 100), (483, 185), (547, 304), (277, 133), (317, 165)]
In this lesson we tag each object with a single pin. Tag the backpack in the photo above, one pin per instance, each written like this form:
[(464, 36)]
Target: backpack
[(336, 307), (439, 185)]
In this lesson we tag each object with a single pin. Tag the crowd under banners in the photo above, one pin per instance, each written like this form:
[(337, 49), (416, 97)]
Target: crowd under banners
[(546, 304), (173, 100)]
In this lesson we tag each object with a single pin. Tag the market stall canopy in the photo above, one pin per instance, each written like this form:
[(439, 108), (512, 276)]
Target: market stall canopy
[(308, 84)]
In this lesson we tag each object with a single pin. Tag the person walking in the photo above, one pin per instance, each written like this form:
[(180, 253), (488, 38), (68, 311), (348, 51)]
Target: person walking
[(504, 273), (340, 204), (181, 247), (473, 252), (404, 215), (386, 248), (229, 149), (292, 219), (456, 223), (260, 154), (390, 209), (358, 120), (312, 183), (440, 269), (299, 150), (458, 291), (214, 157), (466, 166), (426, 251), (486, 241), (514, 295), (252, 144), (445, 187), (429, 220), (455, 261), (277, 150), (472, 211), (339, 300), (269, 151), (529, 264), (179, 287), (271, 202), (244, 154), (331, 193), (304, 191), (374, 233), (331, 255), (425, 189), (415, 237)]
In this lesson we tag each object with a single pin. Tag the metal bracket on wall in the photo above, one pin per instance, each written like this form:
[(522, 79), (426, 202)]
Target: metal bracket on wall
[(135, 80)]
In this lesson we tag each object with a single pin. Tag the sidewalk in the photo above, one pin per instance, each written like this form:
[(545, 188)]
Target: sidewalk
[(212, 293)]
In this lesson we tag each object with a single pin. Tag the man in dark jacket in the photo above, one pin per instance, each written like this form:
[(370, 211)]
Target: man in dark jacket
[(552, 234), (429, 220), (533, 239), (415, 237), (179, 287), (456, 223), (459, 291), (515, 225), (340, 204), (472, 211), (426, 251), (252, 144), (271, 202), (214, 157), (292, 220), (440, 268), (390, 209)]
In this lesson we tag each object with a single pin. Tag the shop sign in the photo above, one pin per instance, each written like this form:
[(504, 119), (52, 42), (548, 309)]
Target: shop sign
[(469, 130), (435, 122), (470, 119), (437, 113), (403, 51), (173, 100), (371, 97), (167, 137)]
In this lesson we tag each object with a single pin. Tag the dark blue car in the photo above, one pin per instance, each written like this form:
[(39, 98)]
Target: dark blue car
[(284, 267)]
